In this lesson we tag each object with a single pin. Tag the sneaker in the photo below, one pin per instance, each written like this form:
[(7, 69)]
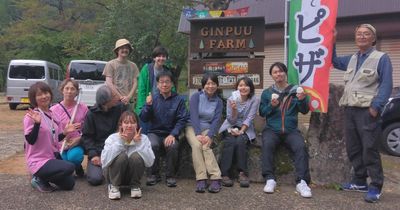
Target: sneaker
[(201, 186), (373, 195), (226, 181), (354, 187), (79, 171), (152, 180), (270, 186), (113, 192), (303, 189), (136, 192), (41, 185), (215, 186), (243, 180), (171, 182)]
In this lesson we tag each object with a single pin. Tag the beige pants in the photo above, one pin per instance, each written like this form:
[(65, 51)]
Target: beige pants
[(203, 157)]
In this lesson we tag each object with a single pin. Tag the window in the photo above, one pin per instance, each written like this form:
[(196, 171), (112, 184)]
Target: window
[(26, 72), (83, 71)]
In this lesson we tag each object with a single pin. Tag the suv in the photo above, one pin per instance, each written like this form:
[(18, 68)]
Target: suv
[(391, 126), (89, 74)]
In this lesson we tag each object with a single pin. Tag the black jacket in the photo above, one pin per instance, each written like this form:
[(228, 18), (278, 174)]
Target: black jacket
[(98, 126)]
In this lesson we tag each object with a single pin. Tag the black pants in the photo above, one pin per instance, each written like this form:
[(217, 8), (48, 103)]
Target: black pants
[(171, 155), (234, 148), (94, 174), (294, 141), (362, 143), (58, 172)]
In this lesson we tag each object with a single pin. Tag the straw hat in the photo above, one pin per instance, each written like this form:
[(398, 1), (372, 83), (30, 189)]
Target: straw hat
[(121, 42)]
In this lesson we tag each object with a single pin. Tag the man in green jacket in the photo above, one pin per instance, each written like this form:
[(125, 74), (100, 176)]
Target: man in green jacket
[(280, 105)]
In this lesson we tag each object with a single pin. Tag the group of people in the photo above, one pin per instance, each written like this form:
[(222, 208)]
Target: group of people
[(122, 138)]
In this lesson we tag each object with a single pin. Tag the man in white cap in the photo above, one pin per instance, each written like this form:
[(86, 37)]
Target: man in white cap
[(121, 74), (368, 85)]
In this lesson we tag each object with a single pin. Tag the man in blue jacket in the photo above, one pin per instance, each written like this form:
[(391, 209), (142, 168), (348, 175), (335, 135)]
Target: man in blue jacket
[(167, 114)]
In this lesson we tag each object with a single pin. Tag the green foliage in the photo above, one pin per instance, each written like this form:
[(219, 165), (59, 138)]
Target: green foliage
[(62, 30)]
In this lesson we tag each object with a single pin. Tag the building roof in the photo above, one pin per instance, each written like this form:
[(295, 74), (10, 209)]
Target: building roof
[(274, 10)]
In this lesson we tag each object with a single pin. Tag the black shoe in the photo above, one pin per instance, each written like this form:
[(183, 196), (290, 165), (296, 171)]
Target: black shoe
[(226, 181), (243, 180), (79, 171), (171, 182), (201, 186), (152, 180)]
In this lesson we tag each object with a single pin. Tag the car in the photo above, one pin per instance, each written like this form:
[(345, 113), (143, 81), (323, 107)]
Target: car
[(89, 74), (391, 126), (22, 74)]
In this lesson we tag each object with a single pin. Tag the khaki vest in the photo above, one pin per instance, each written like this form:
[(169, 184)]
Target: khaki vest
[(361, 86)]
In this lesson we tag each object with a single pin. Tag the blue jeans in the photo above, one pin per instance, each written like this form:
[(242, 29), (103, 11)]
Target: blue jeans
[(73, 155)]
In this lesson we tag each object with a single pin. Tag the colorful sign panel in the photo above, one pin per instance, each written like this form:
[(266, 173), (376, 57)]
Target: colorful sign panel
[(228, 71), (311, 25)]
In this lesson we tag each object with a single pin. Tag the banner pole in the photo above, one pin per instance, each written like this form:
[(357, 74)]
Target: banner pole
[(285, 45)]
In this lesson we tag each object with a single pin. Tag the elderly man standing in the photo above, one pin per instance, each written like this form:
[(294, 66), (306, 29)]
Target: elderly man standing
[(368, 85), (121, 74)]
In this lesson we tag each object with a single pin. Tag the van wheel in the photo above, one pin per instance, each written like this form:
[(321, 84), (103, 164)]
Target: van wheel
[(13, 106)]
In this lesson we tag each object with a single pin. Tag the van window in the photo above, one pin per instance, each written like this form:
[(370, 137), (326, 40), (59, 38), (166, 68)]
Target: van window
[(54, 74), (26, 72), (83, 71)]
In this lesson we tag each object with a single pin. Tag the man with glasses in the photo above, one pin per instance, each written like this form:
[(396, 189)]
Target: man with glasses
[(166, 113), (147, 80), (368, 85)]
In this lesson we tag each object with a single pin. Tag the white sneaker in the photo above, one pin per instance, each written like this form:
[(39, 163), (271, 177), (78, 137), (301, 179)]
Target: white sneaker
[(113, 192), (136, 192), (270, 186), (303, 189)]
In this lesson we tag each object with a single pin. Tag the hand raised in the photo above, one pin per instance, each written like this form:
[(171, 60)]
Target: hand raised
[(149, 99), (138, 136), (35, 116)]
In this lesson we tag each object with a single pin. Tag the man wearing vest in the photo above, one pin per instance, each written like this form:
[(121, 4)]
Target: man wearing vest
[(368, 85)]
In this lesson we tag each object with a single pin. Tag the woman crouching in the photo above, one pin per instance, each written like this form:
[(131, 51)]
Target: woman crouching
[(125, 156)]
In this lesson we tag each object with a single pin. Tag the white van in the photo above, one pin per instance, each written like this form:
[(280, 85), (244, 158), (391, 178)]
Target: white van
[(22, 74), (89, 75)]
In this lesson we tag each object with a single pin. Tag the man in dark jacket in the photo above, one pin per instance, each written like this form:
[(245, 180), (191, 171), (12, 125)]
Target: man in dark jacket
[(101, 121), (167, 114)]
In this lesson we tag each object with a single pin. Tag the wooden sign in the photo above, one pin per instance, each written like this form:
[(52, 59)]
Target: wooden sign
[(227, 35)]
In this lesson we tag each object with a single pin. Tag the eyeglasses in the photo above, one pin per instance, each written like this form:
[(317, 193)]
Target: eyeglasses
[(165, 82), (366, 34)]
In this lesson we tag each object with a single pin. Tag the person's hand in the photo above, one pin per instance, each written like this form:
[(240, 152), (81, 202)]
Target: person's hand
[(301, 96), (149, 99), (96, 161), (35, 116), (233, 104), (127, 135), (69, 128), (208, 141), (170, 140), (124, 100), (71, 142), (274, 102), (138, 136), (373, 112), (200, 138), (235, 132)]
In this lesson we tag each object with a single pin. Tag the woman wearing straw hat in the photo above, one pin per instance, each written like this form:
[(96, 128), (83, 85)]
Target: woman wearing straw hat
[(121, 74)]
